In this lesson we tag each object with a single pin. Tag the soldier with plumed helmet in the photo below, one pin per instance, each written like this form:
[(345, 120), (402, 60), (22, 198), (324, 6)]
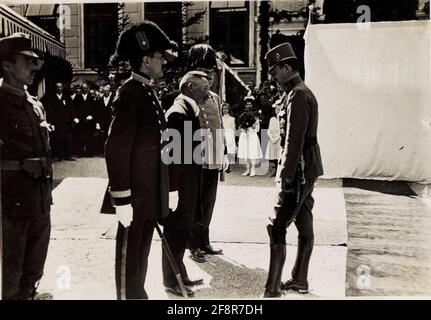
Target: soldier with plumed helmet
[(138, 178)]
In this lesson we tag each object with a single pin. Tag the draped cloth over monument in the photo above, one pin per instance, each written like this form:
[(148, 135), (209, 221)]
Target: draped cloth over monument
[(373, 87)]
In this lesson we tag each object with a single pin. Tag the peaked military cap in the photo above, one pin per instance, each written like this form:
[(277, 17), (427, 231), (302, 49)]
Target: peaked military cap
[(16, 43), (278, 54), (144, 37)]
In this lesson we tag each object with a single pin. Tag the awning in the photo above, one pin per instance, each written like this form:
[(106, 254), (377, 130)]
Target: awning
[(40, 10), (11, 21)]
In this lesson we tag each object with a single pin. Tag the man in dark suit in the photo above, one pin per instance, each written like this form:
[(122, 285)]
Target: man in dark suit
[(138, 178), (103, 116), (74, 93), (26, 172), (86, 127), (299, 167), (185, 176), (60, 114)]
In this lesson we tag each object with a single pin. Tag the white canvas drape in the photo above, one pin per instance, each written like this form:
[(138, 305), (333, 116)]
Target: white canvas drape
[(374, 92)]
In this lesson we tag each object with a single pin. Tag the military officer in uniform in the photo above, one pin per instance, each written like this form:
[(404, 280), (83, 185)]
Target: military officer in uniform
[(299, 166), (26, 172), (202, 57), (138, 178)]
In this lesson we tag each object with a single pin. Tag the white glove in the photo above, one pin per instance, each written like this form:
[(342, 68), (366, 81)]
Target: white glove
[(173, 200), (124, 214), (47, 125), (76, 120), (97, 126), (89, 118)]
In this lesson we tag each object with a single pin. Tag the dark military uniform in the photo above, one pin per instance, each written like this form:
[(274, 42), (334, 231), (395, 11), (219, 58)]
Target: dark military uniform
[(26, 177), (300, 160), (298, 169), (137, 176)]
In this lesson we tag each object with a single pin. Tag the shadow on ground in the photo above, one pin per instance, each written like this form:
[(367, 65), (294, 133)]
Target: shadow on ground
[(231, 281), (396, 188)]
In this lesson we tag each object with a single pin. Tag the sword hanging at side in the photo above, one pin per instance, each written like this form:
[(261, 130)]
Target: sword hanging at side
[(172, 261)]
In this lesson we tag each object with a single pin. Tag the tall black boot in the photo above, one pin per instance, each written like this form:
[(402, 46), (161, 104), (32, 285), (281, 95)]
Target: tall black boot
[(278, 256), (299, 280)]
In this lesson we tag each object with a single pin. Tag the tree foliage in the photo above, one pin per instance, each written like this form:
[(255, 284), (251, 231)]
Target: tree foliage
[(263, 20)]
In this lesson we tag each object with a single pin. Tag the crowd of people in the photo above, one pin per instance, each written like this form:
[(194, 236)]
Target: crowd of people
[(137, 154), (79, 119), (258, 137)]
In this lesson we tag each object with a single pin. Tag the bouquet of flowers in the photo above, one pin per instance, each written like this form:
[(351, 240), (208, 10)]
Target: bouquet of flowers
[(247, 119)]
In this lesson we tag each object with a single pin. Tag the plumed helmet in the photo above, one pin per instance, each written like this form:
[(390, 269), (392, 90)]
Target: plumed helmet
[(202, 56), (141, 39)]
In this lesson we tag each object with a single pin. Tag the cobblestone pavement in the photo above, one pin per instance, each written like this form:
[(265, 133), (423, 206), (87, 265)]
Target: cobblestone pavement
[(372, 239)]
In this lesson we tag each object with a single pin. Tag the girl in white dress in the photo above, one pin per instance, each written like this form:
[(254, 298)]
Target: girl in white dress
[(249, 148), (229, 134), (273, 150)]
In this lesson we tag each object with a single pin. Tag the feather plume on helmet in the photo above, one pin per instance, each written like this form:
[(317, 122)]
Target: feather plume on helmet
[(141, 40)]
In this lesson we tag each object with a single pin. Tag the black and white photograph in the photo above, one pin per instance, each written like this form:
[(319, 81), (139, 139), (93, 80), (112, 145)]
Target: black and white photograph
[(215, 150)]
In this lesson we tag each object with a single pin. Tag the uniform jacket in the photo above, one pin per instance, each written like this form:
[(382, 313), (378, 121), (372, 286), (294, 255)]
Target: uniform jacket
[(24, 134), (133, 152), (212, 139), (298, 126)]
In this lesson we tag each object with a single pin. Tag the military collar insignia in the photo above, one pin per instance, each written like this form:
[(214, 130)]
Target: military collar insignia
[(142, 40), (141, 79)]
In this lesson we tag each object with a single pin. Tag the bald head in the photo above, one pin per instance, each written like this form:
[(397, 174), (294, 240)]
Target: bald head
[(195, 85)]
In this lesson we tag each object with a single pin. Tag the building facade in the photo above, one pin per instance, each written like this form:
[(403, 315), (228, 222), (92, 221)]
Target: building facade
[(91, 29)]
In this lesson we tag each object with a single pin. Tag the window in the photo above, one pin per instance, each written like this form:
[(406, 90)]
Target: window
[(167, 15), (229, 32), (100, 34)]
